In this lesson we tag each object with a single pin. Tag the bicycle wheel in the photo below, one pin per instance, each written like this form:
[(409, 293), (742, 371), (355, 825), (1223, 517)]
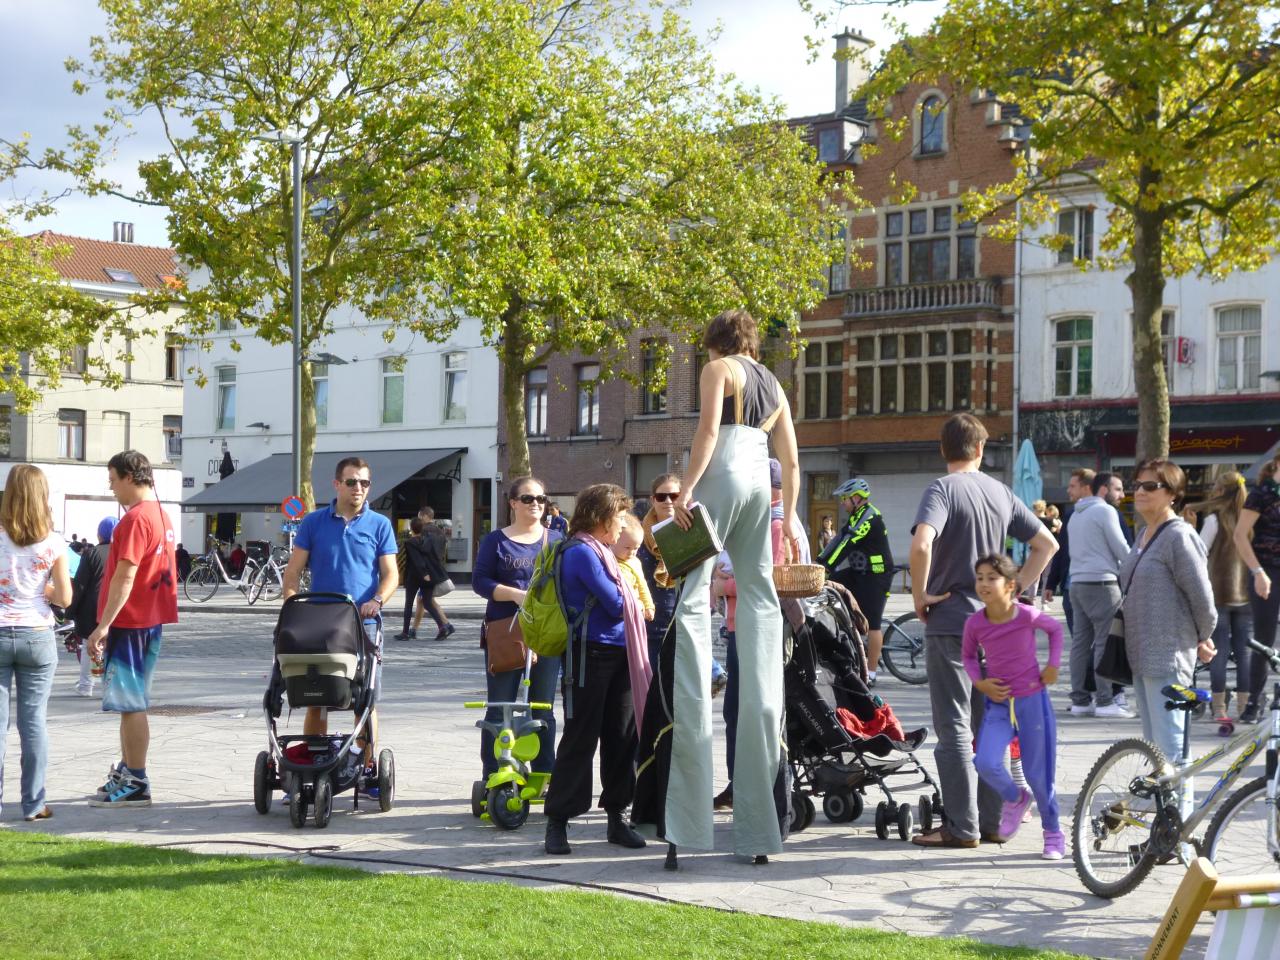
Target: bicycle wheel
[(1111, 828), (903, 651), (1236, 841), (267, 585), (201, 583)]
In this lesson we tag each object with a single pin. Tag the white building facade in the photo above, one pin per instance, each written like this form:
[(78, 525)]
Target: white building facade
[(75, 428), (423, 414), (1078, 402)]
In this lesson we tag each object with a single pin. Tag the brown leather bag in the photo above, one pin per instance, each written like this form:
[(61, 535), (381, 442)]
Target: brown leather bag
[(505, 645)]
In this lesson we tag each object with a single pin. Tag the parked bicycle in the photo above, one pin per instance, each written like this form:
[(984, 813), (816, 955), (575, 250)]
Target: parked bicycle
[(208, 573), (1128, 818), (268, 583), (903, 650)]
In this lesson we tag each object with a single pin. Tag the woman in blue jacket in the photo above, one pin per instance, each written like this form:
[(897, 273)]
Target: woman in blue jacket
[(598, 704)]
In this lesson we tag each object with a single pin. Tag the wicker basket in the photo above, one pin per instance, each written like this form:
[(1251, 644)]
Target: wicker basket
[(794, 581)]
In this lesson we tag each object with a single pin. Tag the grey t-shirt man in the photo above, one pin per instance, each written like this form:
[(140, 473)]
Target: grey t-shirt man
[(972, 514)]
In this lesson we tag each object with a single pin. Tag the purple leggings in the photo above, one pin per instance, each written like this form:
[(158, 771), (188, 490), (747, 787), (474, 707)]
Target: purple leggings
[(1037, 734)]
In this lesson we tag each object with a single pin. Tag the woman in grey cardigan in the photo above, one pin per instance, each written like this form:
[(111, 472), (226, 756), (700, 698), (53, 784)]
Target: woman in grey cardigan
[(1169, 614)]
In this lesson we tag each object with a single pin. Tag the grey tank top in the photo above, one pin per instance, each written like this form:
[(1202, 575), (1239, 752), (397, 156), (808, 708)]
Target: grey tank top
[(759, 394)]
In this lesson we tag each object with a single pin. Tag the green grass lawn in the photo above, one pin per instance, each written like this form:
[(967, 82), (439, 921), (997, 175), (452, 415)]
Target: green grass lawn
[(73, 898)]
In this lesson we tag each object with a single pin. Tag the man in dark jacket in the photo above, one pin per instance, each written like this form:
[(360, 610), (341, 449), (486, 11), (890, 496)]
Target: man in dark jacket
[(84, 598)]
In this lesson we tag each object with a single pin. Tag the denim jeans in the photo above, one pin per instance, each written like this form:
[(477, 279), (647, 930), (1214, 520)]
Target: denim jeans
[(28, 659), (542, 689), (1160, 726)]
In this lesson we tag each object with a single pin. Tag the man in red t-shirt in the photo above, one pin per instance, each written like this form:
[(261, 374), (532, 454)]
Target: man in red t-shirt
[(142, 595)]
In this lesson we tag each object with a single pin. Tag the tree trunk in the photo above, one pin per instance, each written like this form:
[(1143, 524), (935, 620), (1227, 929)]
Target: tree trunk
[(513, 377), (307, 443), (1146, 284)]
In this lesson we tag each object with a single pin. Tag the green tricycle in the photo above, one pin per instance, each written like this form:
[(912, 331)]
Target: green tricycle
[(506, 796)]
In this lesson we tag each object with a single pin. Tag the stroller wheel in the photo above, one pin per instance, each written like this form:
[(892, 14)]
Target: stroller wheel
[(810, 811), (883, 816), (926, 814), (842, 807), (262, 783), (324, 802), (501, 799), (905, 821), (386, 780), (479, 793), (298, 805)]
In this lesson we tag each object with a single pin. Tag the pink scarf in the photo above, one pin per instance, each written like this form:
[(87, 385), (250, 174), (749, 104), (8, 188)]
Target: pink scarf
[(633, 624)]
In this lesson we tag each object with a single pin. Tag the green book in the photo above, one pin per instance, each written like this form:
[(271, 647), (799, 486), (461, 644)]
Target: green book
[(683, 550)]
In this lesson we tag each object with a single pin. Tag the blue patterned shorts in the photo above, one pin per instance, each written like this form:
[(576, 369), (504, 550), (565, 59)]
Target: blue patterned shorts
[(131, 657)]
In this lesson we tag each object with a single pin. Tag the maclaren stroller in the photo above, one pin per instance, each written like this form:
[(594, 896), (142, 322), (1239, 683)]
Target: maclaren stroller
[(838, 751), (322, 659)]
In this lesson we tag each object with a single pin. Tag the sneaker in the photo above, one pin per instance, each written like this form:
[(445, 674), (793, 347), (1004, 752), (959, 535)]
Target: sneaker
[(1011, 815), (1121, 699), (1082, 709), (724, 799), (1114, 711), (114, 776), (129, 792), (718, 683), (403, 635), (871, 679), (446, 632), (86, 692), (1252, 711), (1055, 845)]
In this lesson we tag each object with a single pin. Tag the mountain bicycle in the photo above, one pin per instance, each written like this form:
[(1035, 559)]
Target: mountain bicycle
[(1128, 816), (208, 573), (903, 650)]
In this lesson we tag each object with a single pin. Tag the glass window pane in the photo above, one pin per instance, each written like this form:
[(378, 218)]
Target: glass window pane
[(941, 219), (937, 386), (889, 347), (911, 344), (1251, 318), (888, 389), (1227, 363), (962, 341), (1084, 328), (937, 343), (966, 257), (866, 348), (538, 376), (1251, 376), (893, 224), (912, 396), (940, 254), (1084, 370), (835, 395), (835, 353), (1062, 372), (393, 399), (866, 389), (812, 396), (931, 125), (892, 264), (961, 384), (813, 355), (919, 221), (455, 403), (919, 265)]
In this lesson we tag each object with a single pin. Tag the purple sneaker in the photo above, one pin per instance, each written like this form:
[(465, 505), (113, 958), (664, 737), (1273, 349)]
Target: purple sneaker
[(1055, 845), (1011, 815)]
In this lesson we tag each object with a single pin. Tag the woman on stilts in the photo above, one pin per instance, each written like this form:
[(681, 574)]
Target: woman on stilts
[(728, 473)]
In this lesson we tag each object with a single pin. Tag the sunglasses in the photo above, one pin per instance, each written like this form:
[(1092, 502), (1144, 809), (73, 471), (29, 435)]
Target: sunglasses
[(1150, 486), (529, 498), (352, 481), (666, 497)]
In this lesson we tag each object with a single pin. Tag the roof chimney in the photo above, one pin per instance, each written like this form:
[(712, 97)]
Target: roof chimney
[(845, 40), (122, 232)]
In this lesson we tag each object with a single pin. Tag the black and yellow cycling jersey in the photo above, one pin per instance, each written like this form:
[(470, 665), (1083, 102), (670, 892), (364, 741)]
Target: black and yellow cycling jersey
[(862, 546)]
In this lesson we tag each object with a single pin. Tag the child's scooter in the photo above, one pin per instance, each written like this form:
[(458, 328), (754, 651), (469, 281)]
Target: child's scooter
[(506, 796)]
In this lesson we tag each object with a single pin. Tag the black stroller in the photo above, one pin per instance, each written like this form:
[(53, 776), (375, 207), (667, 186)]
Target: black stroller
[(829, 761), (322, 659)]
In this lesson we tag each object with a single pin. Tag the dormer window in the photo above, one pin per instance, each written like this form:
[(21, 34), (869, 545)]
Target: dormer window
[(829, 146), (932, 125), (121, 276)]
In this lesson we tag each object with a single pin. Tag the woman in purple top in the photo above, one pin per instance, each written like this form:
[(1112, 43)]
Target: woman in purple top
[(1017, 695), (504, 567)]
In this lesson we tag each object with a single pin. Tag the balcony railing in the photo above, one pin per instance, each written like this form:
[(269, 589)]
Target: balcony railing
[(922, 297)]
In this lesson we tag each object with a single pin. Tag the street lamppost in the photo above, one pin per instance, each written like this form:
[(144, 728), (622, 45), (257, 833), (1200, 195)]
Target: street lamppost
[(295, 140)]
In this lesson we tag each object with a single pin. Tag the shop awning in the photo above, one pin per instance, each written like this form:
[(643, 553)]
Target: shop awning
[(266, 482)]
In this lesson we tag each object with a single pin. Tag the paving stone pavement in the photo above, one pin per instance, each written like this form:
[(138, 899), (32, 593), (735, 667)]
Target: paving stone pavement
[(214, 667)]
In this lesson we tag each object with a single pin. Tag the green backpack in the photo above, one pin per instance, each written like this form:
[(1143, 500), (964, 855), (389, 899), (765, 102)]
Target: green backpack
[(544, 619)]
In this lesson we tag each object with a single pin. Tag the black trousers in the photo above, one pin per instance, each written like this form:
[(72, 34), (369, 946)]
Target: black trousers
[(1265, 613), (602, 714), (413, 583)]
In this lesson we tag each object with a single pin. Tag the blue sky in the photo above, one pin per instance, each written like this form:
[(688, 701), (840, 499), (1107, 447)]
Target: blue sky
[(762, 43)]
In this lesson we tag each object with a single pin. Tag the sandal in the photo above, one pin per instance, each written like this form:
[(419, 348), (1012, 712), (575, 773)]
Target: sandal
[(43, 814)]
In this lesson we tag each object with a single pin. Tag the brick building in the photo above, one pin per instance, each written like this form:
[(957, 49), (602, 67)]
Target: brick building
[(919, 323)]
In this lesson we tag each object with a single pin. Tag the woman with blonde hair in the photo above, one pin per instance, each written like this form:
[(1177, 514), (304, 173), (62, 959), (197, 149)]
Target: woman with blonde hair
[(33, 574), (1230, 582)]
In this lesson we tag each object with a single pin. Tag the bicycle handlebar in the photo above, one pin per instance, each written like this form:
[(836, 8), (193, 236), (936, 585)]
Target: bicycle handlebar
[(1272, 657)]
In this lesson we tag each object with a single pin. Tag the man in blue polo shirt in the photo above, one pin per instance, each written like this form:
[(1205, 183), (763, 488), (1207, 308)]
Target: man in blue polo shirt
[(350, 549)]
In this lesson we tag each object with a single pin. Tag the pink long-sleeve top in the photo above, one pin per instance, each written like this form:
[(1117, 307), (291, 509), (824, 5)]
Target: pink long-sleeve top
[(1010, 648)]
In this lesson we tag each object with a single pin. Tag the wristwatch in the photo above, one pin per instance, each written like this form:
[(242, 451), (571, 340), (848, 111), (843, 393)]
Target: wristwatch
[(378, 600)]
